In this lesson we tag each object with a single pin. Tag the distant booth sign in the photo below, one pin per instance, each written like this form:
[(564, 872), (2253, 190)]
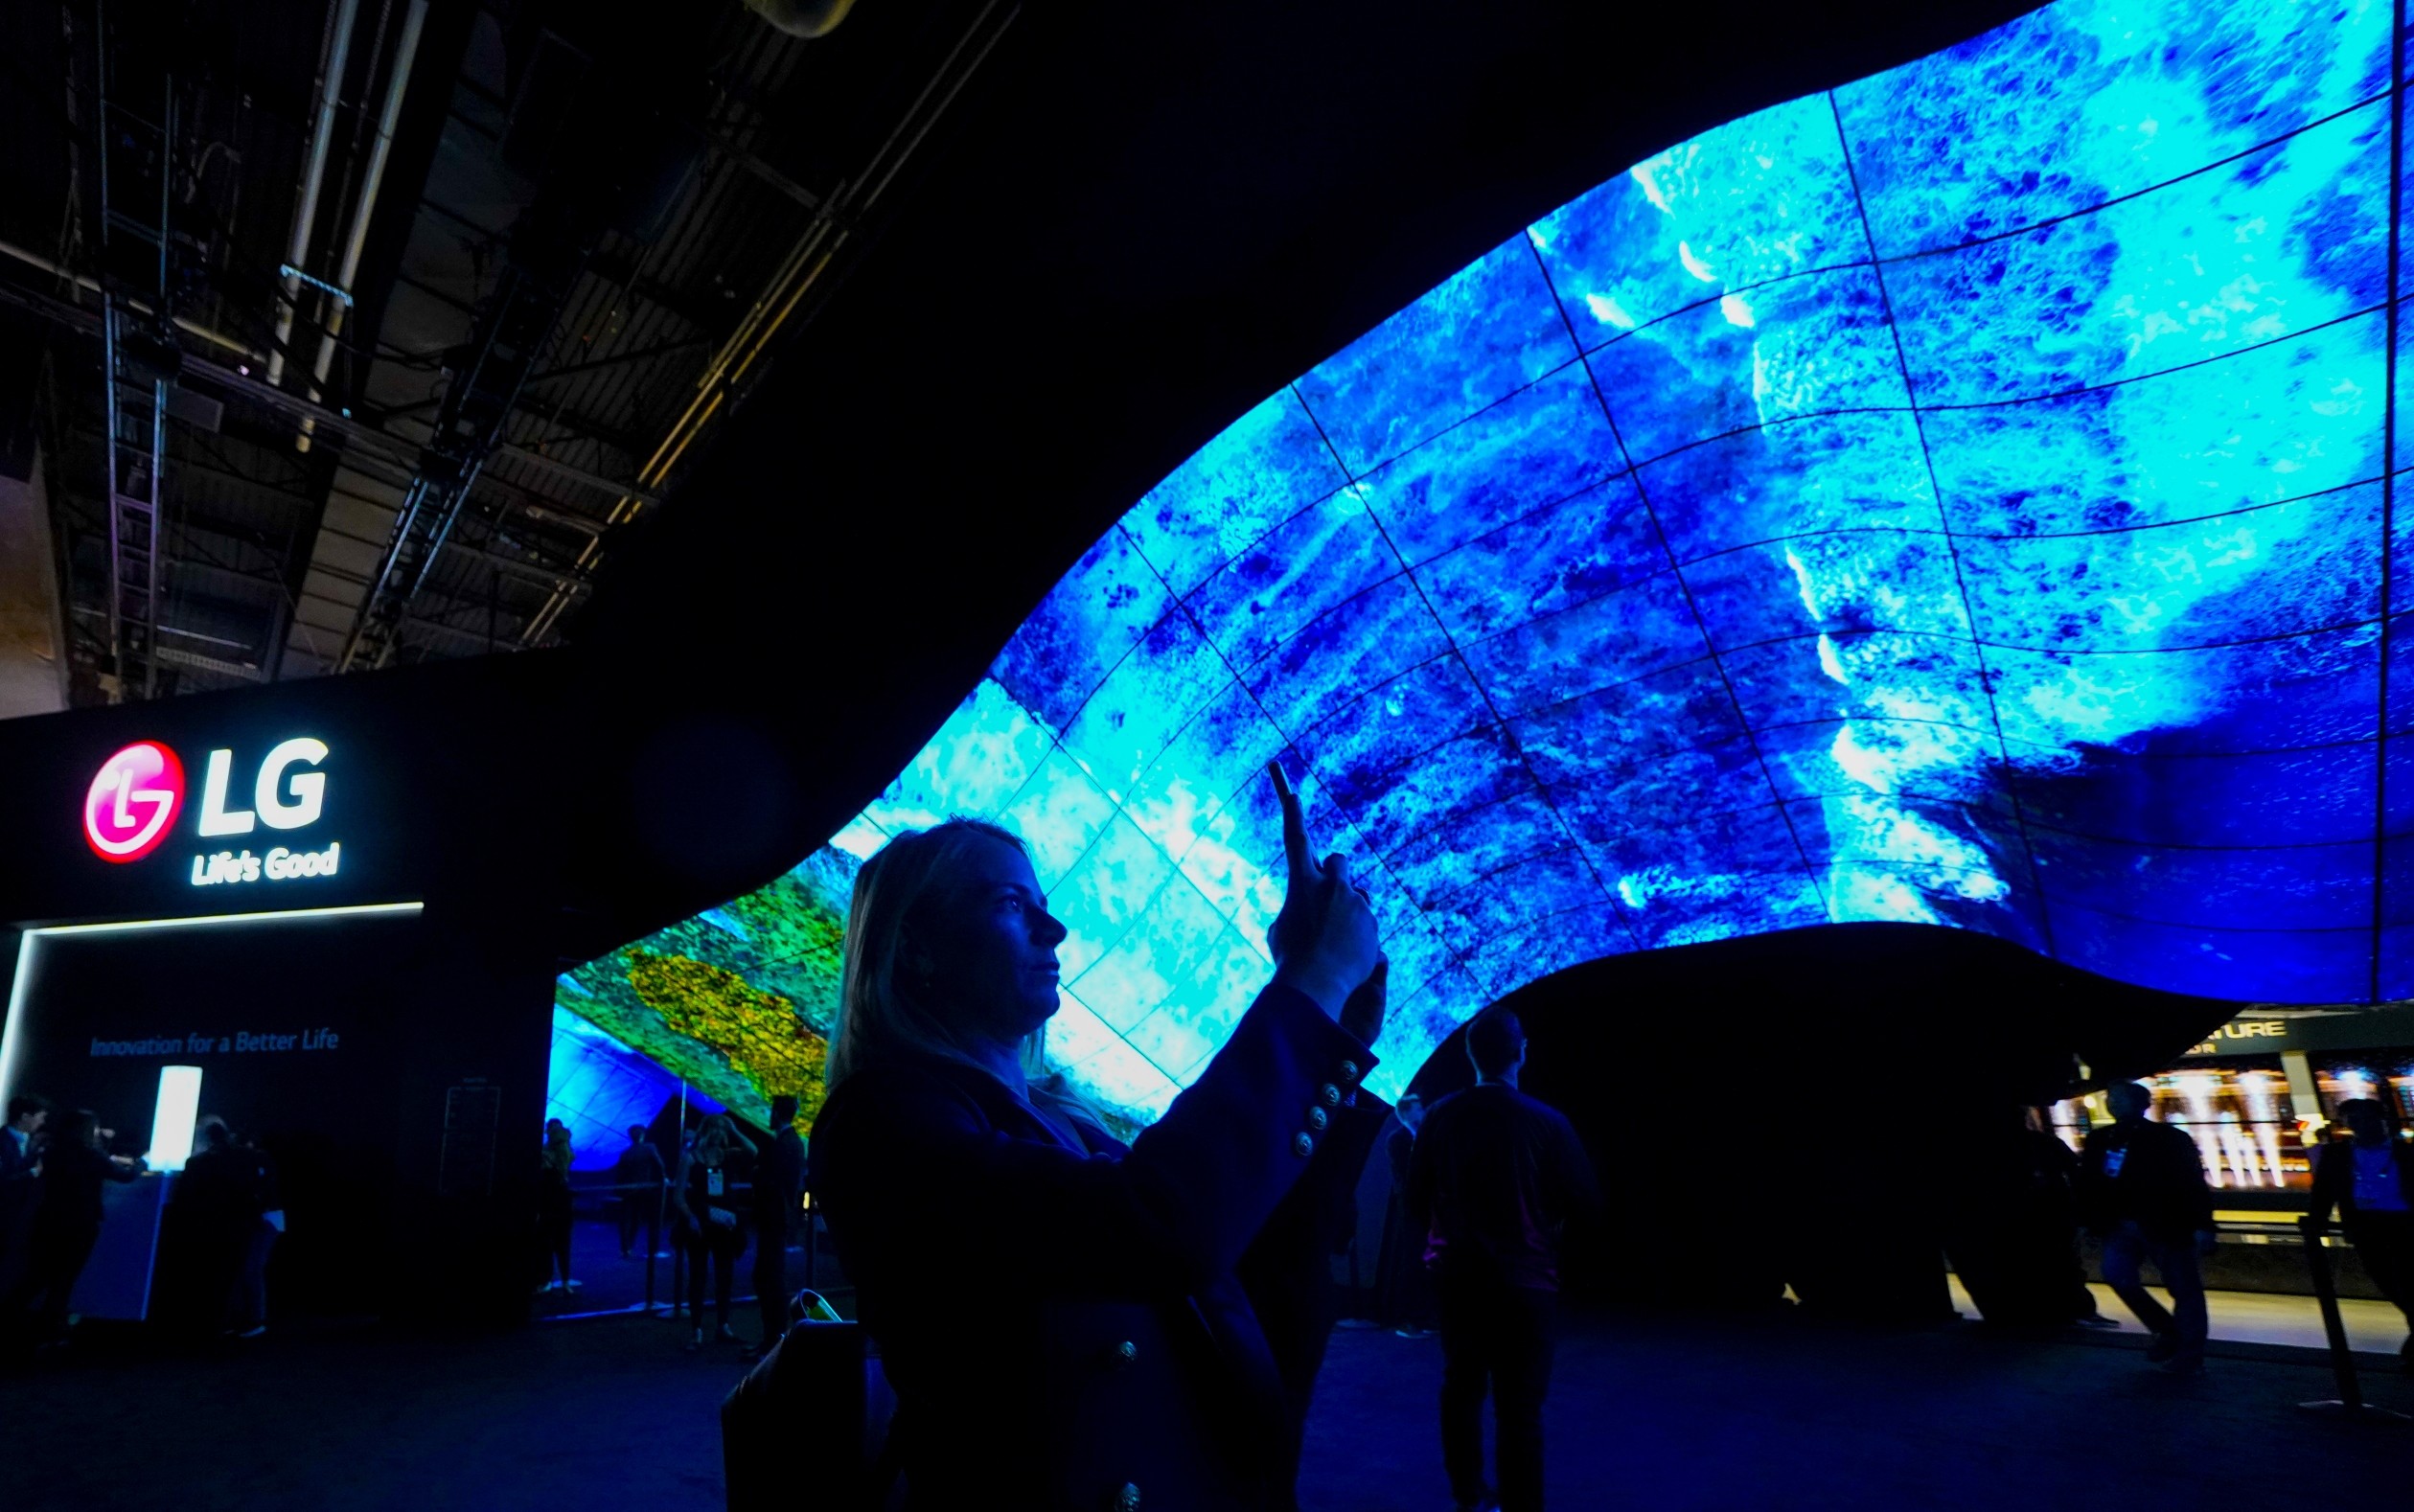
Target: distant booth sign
[(313, 911)]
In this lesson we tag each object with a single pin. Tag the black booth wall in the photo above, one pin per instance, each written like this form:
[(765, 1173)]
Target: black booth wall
[(447, 787), (1827, 1109)]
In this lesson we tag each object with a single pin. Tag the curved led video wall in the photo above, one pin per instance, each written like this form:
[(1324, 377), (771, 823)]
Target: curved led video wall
[(1962, 497)]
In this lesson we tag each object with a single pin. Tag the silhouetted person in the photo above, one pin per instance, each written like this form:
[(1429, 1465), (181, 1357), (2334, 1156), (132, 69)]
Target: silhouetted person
[(251, 1281), (779, 1185), (710, 1229), (20, 1187), (2369, 1179), (1065, 1318), (2143, 1188), (1493, 1182), (639, 1171), (553, 1205), (1404, 1285), (215, 1206), (67, 1222), (2049, 1171), (2011, 1228)]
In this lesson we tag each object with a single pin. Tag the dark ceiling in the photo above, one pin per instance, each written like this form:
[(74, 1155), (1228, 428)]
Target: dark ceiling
[(542, 249)]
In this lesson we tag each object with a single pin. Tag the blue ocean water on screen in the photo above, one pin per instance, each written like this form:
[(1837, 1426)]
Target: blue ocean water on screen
[(1957, 498)]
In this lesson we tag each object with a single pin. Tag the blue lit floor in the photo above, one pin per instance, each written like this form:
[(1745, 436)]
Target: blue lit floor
[(1674, 1415), (608, 1284), (2261, 1317), (1664, 1413)]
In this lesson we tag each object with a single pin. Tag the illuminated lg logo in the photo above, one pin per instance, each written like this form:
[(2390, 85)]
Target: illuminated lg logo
[(134, 801), (274, 808)]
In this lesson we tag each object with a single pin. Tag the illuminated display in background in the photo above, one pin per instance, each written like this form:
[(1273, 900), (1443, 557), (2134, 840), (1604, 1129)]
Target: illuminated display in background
[(174, 1117), (737, 999), (599, 1087), (1959, 498)]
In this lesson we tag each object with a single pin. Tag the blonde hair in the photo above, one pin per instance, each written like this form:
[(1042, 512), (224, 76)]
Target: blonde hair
[(715, 1138), (879, 1016)]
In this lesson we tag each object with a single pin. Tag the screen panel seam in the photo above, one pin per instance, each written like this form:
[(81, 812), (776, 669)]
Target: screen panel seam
[(1490, 704), (1936, 493), (1701, 624), (2391, 294)]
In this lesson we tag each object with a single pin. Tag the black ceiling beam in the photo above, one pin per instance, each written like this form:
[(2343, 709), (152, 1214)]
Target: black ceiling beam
[(618, 359), (709, 318), (197, 457), (577, 426)]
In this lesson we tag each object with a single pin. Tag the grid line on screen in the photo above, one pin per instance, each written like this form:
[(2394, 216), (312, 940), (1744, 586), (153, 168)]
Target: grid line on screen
[(1965, 497)]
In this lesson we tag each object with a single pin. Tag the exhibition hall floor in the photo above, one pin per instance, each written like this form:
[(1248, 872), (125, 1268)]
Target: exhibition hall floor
[(1655, 1414), (2258, 1318)]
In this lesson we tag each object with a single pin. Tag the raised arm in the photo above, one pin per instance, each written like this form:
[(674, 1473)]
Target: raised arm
[(908, 1162)]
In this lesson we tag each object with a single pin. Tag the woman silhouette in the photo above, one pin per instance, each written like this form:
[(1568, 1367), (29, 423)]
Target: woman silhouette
[(1069, 1321)]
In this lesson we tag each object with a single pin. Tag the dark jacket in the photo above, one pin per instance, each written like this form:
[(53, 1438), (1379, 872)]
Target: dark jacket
[(228, 1185), (1061, 1322), (1288, 1270), (2335, 1181), (20, 1195), (638, 1166), (71, 1175), (2160, 1184), (779, 1179), (1493, 1179), (18, 1165)]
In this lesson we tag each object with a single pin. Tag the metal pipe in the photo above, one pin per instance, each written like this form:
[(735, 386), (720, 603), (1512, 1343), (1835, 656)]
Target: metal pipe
[(333, 58), (117, 521), (152, 569), (151, 559), (370, 449), (396, 82)]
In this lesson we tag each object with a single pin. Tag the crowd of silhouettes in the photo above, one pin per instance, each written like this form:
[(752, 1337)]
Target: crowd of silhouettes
[(54, 1169), (1485, 1180), (216, 1236), (730, 1183)]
